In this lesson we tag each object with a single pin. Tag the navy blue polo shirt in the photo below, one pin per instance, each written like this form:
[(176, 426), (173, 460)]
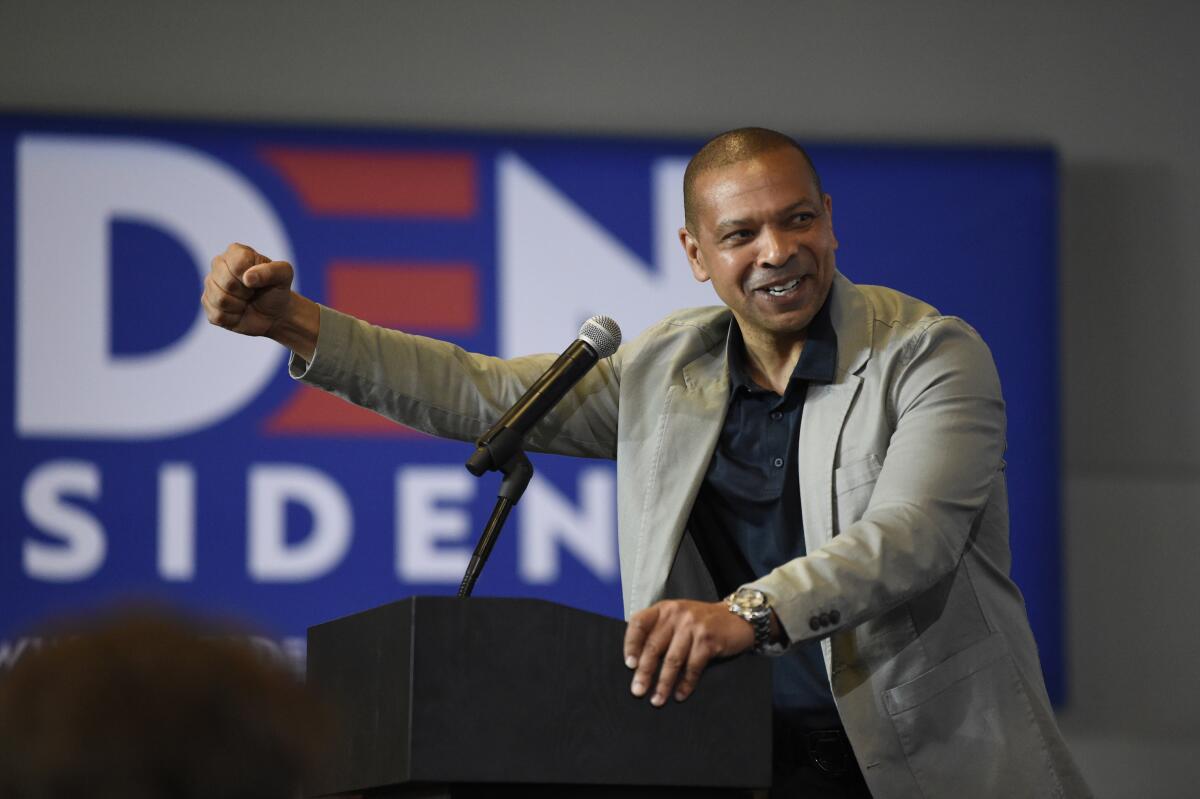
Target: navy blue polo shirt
[(746, 519)]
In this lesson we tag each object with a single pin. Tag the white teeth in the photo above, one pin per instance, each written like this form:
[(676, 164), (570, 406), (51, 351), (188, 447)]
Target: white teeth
[(784, 289)]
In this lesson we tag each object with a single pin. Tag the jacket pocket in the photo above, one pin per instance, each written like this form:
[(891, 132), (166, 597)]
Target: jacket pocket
[(853, 485), (856, 474), (967, 727)]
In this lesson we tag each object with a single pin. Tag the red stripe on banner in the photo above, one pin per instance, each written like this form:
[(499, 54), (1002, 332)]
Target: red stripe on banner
[(426, 297), (419, 297), (379, 183)]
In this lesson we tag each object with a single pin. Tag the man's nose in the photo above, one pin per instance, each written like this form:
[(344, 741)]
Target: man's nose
[(777, 248)]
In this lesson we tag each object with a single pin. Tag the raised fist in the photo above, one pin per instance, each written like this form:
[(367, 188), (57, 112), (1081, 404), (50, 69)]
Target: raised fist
[(247, 292)]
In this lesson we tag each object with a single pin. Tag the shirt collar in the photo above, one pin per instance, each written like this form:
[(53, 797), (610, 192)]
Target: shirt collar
[(818, 359)]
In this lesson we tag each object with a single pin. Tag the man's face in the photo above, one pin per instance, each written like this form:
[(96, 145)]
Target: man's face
[(765, 239)]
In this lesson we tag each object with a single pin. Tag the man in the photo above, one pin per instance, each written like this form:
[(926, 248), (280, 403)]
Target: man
[(830, 454)]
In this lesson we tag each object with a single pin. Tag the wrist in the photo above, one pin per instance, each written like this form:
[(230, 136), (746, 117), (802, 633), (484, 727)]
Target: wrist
[(298, 327), (753, 607), (778, 635)]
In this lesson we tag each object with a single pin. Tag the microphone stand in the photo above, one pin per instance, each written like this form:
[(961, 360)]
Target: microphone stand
[(500, 448), (517, 471)]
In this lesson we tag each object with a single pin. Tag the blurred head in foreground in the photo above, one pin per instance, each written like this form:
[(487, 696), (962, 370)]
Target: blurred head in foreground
[(144, 705)]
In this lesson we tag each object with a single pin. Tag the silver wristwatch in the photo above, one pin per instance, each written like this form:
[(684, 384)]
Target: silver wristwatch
[(753, 606)]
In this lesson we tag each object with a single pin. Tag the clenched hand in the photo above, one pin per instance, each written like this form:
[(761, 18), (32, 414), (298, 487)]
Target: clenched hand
[(248, 293)]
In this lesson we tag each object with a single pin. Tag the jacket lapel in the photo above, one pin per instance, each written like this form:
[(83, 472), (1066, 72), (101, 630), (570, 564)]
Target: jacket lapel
[(690, 423), (826, 408)]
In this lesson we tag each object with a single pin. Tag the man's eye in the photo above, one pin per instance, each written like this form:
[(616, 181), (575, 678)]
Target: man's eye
[(734, 236), (803, 218)]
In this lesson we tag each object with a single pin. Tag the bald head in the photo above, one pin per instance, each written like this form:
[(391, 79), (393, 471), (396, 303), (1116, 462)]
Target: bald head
[(730, 148)]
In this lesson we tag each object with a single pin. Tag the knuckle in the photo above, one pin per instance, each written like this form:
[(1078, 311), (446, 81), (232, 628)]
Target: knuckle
[(220, 317), (240, 254)]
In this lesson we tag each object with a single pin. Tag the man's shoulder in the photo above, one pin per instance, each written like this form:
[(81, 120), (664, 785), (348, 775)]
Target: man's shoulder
[(704, 327), (904, 315), (878, 324), (892, 307), (674, 341)]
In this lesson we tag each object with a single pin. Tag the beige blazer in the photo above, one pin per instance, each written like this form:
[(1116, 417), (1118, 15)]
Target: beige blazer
[(926, 639)]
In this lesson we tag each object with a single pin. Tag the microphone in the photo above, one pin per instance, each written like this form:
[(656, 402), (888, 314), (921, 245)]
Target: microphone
[(598, 339)]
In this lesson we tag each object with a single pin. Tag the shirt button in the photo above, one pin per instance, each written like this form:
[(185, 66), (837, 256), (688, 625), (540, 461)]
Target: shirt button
[(778, 462), (776, 415)]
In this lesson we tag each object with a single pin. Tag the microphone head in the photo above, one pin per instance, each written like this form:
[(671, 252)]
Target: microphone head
[(602, 334)]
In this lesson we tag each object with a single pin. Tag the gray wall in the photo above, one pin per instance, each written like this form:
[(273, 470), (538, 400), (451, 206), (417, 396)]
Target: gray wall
[(1111, 85)]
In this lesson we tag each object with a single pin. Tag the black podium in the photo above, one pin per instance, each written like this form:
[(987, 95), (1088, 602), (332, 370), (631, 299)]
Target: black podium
[(445, 697)]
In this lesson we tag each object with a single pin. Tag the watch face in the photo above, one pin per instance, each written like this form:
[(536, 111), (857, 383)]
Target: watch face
[(750, 599)]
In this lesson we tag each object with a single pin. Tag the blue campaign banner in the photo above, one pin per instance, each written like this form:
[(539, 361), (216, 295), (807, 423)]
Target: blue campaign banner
[(150, 454)]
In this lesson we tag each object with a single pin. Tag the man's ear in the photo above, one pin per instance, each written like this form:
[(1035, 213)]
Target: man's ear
[(828, 202), (691, 248)]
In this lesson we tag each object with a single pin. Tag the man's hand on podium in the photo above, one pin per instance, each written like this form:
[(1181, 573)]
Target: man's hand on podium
[(682, 635)]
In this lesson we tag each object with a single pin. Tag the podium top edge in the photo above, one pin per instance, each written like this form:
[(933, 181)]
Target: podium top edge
[(419, 600)]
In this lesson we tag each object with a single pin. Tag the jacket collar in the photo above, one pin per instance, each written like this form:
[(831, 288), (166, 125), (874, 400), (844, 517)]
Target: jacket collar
[(852, 314)]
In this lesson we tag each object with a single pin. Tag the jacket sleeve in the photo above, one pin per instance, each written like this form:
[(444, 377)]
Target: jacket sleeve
[(441, 389), (943, 459)]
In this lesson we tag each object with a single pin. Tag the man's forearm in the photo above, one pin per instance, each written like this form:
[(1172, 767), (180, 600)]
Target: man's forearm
[(299, 327)]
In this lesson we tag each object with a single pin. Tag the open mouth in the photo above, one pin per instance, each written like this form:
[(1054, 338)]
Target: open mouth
[(783, 289)]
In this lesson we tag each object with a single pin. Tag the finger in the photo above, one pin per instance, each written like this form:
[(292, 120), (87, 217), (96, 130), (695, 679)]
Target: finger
[(698, 657), (269, 274), (640, 625), (652, 653), (218, 299), (675, 659), (239, 257), (221, 318), (219, 271)]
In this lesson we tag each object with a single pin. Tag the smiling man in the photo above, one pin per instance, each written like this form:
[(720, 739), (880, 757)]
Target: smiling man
[(760, 228), (828, 457)]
